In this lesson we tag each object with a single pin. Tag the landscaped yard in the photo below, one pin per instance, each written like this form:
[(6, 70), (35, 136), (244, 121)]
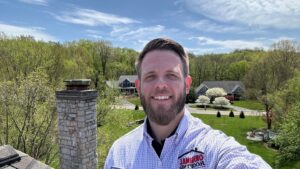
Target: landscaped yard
[(117, 125), (135, 101), (249, 104), (209, 107)]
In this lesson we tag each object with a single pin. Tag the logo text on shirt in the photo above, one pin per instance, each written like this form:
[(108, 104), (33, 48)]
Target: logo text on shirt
[(192, 159)]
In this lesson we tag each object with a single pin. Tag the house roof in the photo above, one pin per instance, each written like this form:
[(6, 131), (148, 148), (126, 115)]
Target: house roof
[(130, 78), (11, 158), (228, 86)]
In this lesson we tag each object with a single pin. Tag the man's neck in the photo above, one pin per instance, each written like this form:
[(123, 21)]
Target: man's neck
[(161, 132)]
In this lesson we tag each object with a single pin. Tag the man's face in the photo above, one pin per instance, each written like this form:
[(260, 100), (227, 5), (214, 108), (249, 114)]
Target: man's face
[(162, 86)]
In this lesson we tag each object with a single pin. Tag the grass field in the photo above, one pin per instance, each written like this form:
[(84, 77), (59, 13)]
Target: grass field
[(135, 101), (249, 104), (115, 126), (209, 107)]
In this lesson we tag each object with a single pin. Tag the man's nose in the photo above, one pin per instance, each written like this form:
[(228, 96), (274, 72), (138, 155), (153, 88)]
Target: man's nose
[(161, 83)]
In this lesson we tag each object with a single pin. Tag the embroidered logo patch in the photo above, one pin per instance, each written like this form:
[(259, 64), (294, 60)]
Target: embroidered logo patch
[(192, 159)]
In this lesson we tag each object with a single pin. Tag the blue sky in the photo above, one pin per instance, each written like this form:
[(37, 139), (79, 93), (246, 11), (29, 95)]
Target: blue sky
[(201, 26)]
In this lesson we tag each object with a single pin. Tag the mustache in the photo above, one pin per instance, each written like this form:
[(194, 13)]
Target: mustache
[(161, 91)]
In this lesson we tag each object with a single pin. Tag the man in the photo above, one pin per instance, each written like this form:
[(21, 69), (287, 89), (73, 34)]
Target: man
[(170, 136)]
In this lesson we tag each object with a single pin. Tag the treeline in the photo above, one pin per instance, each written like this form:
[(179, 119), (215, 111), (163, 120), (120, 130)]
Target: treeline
[(31, 71), (273, 78)]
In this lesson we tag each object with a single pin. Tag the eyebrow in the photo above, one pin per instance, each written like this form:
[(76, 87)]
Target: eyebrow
[(149, 73), (172, 71)]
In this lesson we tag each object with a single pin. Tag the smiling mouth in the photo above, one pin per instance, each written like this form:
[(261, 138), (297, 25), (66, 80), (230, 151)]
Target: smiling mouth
[(161, 97)]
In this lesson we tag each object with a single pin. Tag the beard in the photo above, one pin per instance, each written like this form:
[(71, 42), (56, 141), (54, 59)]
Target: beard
[(160, 114)]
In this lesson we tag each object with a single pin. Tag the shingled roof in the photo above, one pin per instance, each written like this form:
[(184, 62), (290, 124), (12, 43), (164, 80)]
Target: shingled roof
[(130, 78), (228, 86), (11, 158)]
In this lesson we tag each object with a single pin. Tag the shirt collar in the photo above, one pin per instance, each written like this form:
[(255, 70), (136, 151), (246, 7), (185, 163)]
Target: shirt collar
[(180, 131)]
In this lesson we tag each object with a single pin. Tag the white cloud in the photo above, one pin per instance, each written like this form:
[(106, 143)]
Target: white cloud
[(91, 17), (137, 37), (36, 2), (92, 31), (206, 50), (139, 33), (36, 32), (274, 40), (117, 30), (208, 26), (254, 13), (229, 44), (94, 34)]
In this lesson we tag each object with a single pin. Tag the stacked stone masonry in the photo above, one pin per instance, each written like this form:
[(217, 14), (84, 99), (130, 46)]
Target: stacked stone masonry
[(77, 129)]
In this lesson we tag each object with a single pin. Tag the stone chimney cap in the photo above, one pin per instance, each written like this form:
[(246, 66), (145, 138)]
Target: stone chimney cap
[(77, 84), (83, 82)]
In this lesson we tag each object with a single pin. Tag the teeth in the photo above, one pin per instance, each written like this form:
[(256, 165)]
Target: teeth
[(161, 97)]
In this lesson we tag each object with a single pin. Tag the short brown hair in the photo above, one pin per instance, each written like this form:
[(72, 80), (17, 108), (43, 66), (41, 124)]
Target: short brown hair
[(164, 44)]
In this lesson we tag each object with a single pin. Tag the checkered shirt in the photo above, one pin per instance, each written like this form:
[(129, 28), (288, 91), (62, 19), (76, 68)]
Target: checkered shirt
[(194, 145)]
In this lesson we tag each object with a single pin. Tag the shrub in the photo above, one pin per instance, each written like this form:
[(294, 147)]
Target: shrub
[(288, 138), (105, 99), (242, 115), (202, 99), (191, 97), (222, 101), (212, 93), (215, 92), (231, 114), (218, 114), (136, 107)]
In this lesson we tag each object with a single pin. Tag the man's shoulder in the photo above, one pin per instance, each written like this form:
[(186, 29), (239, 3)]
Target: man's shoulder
[(202, 131), (197, 124)]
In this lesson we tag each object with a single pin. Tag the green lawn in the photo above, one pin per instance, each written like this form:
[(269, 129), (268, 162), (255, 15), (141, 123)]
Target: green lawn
[(209, 107), (135, 101), (115, 126), (249, 104)]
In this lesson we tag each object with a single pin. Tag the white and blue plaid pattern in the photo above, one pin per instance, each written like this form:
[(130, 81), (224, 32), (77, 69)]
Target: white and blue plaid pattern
[(194, 145)]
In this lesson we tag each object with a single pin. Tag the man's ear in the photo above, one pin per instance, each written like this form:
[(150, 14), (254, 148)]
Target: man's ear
[(137, 85), (188, 84)]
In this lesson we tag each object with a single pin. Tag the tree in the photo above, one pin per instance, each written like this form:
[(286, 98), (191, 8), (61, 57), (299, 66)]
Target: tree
[(222, 101), (199, 68), (103, 53), (105, 100), (212, 93), (202, 99), (191, 97), (288, 138), (237, 70), (270, 74), (285, 99), (265, 99), (284, 60), (30, 116)]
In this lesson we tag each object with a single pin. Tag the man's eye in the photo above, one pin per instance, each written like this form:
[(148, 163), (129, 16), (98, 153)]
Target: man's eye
[(172, 77), (150, 77)]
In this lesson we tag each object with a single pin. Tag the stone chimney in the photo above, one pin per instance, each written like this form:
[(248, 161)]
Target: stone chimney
[(76, 107)]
